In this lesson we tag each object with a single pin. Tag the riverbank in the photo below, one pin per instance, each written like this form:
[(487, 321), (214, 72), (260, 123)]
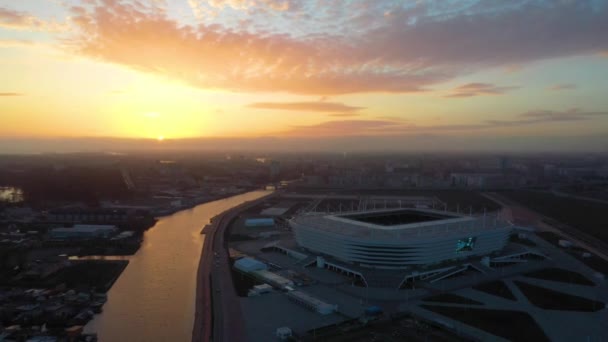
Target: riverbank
[(171, 211), (61, 301), (155, 297), (206, 304)]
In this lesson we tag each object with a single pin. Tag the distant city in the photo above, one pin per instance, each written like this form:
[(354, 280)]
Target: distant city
[(303, 170), (329, 247)]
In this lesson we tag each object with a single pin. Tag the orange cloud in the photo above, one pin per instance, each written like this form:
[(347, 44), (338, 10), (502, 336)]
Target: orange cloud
[(343, 115), (563, 86), (16, 20), (476, 89), (406, 51), (277, 5), (213, 57), (347, 128), (393, 126), (10, 94), (331, 107), (15, 43)]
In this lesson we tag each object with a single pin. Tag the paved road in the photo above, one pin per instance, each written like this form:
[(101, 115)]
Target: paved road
[(228, 323), (218, 315), (202, 315)]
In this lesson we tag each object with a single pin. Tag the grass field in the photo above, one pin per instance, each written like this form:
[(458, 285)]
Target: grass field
[(594, 262), (588, 217), (451, 298), (560, 275), (496, 288), (553, 300), (493, 321)]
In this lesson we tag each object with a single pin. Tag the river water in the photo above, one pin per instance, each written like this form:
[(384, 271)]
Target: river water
[(154, 298)]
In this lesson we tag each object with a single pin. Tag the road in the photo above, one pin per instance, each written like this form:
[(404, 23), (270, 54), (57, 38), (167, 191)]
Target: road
[(216, 296)]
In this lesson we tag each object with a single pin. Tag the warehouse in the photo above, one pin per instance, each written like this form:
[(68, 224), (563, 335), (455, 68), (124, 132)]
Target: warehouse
[(312, 303), (83, 232)]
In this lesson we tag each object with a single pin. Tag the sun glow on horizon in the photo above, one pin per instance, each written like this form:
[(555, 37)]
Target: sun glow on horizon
[(211, 78)]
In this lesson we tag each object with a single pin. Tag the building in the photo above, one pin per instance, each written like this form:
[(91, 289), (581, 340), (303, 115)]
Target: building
[(248, 265), (284, 333), (272, 279), (259, 222), (275, 168), (312, 303), (80, 215), (398, 238), (83, 231), (259, 270)]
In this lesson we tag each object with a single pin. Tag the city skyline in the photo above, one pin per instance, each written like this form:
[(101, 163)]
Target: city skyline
[(279, 74)]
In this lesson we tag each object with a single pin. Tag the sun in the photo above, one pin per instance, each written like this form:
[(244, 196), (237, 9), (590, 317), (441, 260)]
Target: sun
[(160, 138)]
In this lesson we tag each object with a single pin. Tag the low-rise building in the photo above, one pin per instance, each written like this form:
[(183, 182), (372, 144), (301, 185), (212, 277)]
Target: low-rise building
[(83, 231)]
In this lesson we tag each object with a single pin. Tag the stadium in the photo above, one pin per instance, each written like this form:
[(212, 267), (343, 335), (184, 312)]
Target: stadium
[(400, 238)]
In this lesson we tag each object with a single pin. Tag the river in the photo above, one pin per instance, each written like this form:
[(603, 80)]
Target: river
[(154, 298)]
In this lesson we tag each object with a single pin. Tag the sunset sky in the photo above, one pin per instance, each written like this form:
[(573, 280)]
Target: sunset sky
[(373, 72)]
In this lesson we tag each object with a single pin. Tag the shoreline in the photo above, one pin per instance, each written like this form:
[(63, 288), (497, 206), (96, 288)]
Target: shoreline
[(203, 314), (170, 212)]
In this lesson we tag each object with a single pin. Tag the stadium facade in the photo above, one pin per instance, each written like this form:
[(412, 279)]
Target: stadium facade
[(400, 238)]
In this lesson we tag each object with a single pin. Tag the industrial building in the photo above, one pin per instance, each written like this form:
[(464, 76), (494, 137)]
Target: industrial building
[(312, 303), (83, 231), (248, 265), (272, 279), (259, 222), (399, 238), (259, 270)]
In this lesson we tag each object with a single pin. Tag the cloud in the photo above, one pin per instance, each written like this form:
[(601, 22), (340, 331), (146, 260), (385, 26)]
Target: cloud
[(390, 126), (328, 51), (563, 86), (413, 143), (277, 5), (343, 128), (477, 89), (343, 115), (212, 57), (530, 118), (330, 107), (16, 20), (10, 94), (8, 43), (572, 114)]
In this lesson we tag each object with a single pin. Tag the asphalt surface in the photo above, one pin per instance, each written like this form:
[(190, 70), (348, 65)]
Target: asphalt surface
[(228, 324), (218, 315), (202, 315)]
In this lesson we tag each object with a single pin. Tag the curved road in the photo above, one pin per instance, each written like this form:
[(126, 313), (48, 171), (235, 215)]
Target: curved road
[(216, 297)]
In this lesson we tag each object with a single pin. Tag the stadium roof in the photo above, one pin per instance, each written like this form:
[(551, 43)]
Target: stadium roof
[(398, 217), (395, 225)]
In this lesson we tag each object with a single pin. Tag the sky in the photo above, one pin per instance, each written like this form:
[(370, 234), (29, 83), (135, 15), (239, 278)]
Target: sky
[(522, 75)]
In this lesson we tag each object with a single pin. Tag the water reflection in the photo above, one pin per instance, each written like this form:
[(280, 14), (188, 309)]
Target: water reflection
[(11, 194), (154, 298)]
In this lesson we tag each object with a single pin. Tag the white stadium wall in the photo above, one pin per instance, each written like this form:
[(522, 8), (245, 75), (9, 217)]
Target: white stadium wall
[(402, 252)]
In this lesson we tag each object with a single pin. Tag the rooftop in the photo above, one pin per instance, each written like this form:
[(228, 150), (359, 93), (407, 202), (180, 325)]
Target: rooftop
[(86, 228), (397, 217), (394, 225)]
